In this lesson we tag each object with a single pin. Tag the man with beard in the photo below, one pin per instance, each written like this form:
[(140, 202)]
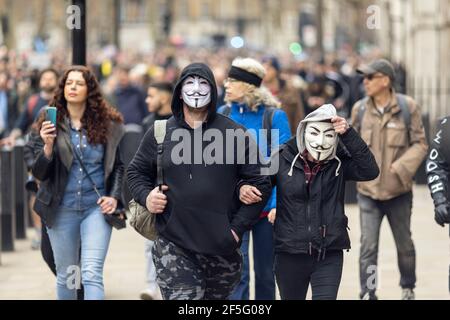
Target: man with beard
[(48, 80), (159, 98)]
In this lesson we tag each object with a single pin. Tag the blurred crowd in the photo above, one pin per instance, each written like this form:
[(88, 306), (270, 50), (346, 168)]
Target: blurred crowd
[(301, 83)]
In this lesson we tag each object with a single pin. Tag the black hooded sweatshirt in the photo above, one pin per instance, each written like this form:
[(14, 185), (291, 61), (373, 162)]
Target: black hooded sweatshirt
[(203, 204)]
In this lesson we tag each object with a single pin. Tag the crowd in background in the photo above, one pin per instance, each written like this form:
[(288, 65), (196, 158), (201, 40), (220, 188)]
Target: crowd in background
[(302, 82)]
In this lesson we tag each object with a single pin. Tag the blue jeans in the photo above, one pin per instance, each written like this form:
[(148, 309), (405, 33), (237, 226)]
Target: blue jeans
[(71, 228), (263, 256)]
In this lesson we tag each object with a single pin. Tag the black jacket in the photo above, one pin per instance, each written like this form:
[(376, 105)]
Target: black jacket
[(54, 173), (302, 211), (203, 203), (438, 164)]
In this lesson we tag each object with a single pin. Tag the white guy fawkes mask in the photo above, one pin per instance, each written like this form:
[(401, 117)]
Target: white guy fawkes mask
[(196, 92), (320, 140)]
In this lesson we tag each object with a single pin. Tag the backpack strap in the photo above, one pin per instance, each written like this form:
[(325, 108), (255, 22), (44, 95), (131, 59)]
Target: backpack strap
[(361, 111), (160, 134), (32, 102), (226, 111), (404, 109), (406, 114), (267, 125)]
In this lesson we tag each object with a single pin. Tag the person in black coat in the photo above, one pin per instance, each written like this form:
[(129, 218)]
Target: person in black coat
[(310, 225), (200, 221), (438, 170)]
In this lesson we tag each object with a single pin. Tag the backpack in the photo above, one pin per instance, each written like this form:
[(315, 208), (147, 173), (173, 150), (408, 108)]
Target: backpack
[(266, 123), (141, 219), (404, 110)]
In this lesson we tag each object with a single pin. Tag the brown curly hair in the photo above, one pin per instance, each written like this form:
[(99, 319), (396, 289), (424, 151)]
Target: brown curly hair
[(97, 113)]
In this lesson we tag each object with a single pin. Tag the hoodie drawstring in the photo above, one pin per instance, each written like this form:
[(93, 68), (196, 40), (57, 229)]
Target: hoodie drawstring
[(339, 165), (292, 165)]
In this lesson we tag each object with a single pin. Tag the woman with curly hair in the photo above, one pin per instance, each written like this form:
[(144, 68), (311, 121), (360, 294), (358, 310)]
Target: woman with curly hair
[(67, 200)]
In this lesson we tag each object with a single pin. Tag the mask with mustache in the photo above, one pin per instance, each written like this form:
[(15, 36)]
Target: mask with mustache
[(320, 140), (196, 92)]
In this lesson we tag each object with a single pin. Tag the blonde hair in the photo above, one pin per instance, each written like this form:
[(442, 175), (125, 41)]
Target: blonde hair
[(255, 96)]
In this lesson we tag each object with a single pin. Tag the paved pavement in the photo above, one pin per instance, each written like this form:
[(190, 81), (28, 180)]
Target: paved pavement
[(24, 275)]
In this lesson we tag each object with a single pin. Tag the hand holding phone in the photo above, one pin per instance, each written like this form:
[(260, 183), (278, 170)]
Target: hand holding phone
[(50, 114), (48, 131)]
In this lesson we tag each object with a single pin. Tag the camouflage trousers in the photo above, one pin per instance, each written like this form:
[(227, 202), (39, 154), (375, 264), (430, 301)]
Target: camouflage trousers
[(186, 275)]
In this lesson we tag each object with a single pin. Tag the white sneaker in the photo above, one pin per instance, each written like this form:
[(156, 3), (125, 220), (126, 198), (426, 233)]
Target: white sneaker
[(408, 294), (148, 294)]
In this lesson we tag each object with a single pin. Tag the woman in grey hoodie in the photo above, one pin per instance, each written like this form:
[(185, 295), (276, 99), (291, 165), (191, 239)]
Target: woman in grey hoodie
[(310, 229)]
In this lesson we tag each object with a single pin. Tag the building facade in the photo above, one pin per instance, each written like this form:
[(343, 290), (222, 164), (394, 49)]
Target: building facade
[(415, 33)]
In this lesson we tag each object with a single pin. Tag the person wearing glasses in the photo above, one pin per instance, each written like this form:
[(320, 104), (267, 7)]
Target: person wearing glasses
[(391, 125)]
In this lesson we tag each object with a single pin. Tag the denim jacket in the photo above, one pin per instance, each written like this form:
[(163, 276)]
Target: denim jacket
[(55, 173), (79, 193)]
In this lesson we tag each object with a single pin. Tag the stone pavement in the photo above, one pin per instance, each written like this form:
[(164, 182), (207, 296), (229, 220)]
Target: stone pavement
[(24, 275)]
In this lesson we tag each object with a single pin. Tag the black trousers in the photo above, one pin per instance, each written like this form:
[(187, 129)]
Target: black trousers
[(294, 273), (398, 213)]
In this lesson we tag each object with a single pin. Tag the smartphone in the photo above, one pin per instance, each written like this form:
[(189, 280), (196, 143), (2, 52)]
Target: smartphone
[(50, 114)]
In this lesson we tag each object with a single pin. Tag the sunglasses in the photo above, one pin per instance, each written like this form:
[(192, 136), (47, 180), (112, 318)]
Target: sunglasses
[(370, 77)]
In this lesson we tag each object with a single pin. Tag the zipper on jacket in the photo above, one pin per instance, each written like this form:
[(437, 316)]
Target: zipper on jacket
[(323, 231), (308, 217)]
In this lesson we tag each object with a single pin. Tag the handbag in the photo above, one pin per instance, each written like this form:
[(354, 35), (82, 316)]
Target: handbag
[(143, 221), (114, 219)]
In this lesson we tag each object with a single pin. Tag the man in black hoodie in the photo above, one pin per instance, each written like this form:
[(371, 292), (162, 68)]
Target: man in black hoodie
[(200, 220)]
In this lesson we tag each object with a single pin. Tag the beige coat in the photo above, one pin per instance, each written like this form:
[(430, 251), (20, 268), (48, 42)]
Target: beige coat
[(397, 156)]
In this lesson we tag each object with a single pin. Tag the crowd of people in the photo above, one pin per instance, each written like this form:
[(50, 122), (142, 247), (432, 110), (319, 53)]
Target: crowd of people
[(302, 126)]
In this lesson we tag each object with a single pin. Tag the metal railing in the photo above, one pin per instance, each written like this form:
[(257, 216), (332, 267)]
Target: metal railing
[(13, 196)]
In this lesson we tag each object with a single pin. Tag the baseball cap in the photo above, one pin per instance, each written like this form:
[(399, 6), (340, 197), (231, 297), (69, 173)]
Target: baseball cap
[(382, 66)]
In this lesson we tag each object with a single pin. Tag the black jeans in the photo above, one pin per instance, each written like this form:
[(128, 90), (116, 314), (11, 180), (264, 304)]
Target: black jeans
[(294, 273), (398, 213)]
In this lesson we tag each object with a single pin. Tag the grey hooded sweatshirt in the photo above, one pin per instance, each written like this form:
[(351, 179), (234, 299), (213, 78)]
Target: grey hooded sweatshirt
[(310, 213)]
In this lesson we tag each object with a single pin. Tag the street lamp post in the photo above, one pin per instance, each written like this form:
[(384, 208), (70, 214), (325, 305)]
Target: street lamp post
[(319, 16), (79, 36)]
